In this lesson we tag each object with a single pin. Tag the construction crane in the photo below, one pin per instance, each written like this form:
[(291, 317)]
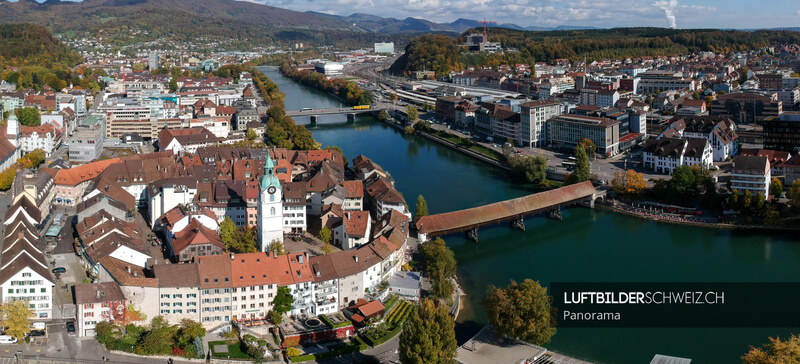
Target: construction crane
[(486, 37)]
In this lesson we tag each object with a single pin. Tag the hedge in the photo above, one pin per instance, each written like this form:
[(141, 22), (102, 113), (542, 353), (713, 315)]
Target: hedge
[(331, 354), (390, 303), (391, 334)]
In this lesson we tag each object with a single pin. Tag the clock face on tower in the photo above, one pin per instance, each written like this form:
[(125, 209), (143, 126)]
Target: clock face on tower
[(271, 189)]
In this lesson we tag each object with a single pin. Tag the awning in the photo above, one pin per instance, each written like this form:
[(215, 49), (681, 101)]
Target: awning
[(58, 199), (53, 231)]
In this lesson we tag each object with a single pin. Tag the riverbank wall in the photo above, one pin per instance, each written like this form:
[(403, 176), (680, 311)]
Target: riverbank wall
[(708, 225)]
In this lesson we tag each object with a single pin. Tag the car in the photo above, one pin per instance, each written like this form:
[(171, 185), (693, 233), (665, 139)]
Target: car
[(7, 339), (59, 270), (70, 327), (36, 333)]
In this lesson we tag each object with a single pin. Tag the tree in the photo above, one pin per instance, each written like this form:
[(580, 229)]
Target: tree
[(277, 247), (682, 180), (275, 317), (793, 194), (735, 200), (523, 311), (743, 75), (757, 201), (173, 84), (776, 187), (159, 339), (440, 263), (422, 208), (7, 178), (251, 134), (228, 232), (635, 183), (132, 314), (532, 168), (16, 319), (429, 336), (775, 352), (29, 116), (588, 146), (33, 159), (325, 234), (412, 112), (747, 200), (409, 129), (327, 248), (383, 115), (696, 95), (283, 300), (581, 172), (138, 67), (190, 330)]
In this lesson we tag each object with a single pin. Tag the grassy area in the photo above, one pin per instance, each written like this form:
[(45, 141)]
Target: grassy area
[(487, 152), (236, 350), (122, 152)]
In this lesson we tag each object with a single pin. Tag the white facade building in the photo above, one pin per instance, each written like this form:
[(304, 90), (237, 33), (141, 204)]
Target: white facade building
[(270, 207)]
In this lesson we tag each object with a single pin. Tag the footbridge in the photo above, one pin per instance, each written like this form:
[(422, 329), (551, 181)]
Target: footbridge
[(512, 211)]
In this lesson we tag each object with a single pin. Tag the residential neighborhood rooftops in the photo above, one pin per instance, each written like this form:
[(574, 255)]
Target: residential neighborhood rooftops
[(98, 293)]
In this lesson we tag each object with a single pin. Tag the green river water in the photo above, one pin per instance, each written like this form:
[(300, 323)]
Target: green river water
[(587, 246)]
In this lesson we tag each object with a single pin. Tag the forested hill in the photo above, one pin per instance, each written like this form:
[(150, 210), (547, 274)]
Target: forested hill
[(617, 43), (30, 44)]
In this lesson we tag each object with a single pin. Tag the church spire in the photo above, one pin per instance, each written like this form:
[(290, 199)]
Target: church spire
[(269, 178)]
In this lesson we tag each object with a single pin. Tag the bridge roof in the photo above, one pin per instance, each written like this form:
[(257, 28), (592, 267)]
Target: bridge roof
[(462, 220)]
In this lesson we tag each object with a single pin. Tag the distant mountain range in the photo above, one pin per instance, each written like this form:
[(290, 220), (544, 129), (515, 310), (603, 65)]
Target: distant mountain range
[(377, 24)]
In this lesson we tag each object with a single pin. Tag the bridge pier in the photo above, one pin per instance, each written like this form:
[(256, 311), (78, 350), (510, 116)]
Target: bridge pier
[(518, 223), (351, 117), (472, 234), (555, 214), (313, 120)]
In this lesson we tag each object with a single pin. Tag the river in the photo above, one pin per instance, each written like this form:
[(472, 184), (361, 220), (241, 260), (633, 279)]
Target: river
[(587, 246)]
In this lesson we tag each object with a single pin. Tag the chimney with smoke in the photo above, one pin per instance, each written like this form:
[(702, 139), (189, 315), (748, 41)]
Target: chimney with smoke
[(669, 12)]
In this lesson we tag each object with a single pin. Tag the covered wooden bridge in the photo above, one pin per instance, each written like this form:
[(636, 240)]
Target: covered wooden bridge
[(513, 211)]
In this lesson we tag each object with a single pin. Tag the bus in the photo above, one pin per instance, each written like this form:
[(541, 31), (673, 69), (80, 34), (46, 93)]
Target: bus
[(306, 109), (361, 107), (568, 165)]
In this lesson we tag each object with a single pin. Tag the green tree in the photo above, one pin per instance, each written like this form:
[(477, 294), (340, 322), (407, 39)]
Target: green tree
[(383, 115), (173, 84), (159, 339), (138, 67), (251, 134), (327, 248), (776, 187), (409, 130), (581, 172), (757, 201), (275, 317), (283, 300), (793, 194), (429, 336), (422, 208), (743, 75), (532, 168), (440, 264), (696, 95), (747, 200), (735, 201), (522, 311), (29, 116), (777, 351), (277, 246), (325, 234), (229, 233), (16, 318), (682, 181), (190, 330), (412, 112)]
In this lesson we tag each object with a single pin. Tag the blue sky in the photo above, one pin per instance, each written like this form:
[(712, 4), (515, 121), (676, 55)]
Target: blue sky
[(599, 13)]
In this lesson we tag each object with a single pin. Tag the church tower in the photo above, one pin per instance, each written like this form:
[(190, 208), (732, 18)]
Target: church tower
[(270, 207)]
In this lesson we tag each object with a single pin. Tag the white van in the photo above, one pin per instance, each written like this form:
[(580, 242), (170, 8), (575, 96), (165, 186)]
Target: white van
[(39, 325), (6, 339)]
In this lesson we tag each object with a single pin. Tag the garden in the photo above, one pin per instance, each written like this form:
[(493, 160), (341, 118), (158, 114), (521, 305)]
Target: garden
[(353, 345), (397, 313), (159, 338), (247, 347)]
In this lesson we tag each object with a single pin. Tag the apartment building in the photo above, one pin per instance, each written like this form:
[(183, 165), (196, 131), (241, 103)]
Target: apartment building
[(566, 131), (533, 118)]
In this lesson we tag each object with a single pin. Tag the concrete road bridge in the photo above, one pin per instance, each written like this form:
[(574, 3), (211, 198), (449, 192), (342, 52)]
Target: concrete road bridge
[(512, 211)]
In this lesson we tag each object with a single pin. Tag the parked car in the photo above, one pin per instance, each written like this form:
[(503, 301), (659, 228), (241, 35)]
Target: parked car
[(70, 327), (7, 339), (59, 270)]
